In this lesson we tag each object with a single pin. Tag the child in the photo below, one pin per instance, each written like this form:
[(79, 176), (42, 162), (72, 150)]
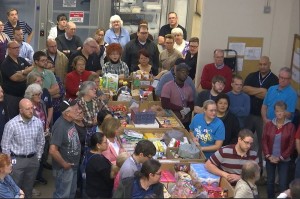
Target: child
[(120, 160)]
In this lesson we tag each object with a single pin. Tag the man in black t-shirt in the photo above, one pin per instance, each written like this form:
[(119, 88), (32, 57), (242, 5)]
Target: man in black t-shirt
[(166, 29)]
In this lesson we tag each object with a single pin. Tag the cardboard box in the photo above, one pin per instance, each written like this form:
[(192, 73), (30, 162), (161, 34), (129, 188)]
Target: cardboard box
[(169, 165)]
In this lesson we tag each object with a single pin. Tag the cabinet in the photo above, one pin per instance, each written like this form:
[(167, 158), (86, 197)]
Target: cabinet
[(132, 11)]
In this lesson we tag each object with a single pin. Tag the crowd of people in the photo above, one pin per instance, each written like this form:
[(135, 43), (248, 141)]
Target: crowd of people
[(51, 104)]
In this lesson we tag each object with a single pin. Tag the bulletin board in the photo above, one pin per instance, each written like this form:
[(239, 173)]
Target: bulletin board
[(249, 51), (295, 66)]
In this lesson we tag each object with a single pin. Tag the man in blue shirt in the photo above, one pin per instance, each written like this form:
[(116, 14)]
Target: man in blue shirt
[(281, 92)]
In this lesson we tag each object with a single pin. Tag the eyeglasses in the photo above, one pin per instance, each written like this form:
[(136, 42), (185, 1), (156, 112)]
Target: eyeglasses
[(36, 94), (247, 143), (14, 48), (284, 78)]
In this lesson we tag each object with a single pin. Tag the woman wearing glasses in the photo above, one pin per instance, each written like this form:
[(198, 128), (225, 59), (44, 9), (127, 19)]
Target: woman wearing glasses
[(145, 183)]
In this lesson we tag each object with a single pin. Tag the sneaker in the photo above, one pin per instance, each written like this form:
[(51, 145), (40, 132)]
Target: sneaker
[(41, 180), (36, 192)]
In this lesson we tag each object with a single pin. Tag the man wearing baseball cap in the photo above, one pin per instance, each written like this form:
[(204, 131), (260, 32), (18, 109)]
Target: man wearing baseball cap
[(65, 151)]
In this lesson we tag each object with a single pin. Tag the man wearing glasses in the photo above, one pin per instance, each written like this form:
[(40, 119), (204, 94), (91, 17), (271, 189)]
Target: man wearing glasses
[(281, 92), (14, 71), (227, 162)]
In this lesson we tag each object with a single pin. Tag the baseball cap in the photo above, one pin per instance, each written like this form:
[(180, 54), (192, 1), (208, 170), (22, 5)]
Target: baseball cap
[(182, 66), (66, 104)]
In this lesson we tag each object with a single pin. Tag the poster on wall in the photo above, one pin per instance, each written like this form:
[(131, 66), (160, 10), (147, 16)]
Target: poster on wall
[(252, 53), (76, 16), (69, 3), (238, 47)]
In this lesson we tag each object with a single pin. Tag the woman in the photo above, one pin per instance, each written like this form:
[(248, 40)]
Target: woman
[(89, 103), (3, 113), (58, 98), (99, 37), (75, 78), (94, 77), (207, 130), (60, 28), (34, 93), (114, 64), (180, 44), (144, 67), (145, 184), (112, 129), (100, 172), (101, 116), (245, 187), (116, 33), (278, 142), (4, 39), (8, 188), (229, 120)]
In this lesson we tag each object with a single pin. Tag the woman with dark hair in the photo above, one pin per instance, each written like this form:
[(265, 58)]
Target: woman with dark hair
[(75, 78), (99, 37), (230, 121), (8, 187), (145, 184), (100, 172), (101, 116), (60, 28), (114, 64)]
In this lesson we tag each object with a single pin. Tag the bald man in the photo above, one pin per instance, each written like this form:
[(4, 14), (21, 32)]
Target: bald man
[(69, 43), (256, 85), (23, 139)]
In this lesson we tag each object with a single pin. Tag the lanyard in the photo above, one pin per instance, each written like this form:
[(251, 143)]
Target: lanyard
[(261, 82), (182, 97)]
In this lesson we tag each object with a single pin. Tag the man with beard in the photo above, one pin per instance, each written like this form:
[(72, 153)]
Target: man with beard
[(23, 139), (227, 162)]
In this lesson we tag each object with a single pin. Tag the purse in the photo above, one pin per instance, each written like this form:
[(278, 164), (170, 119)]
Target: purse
[(189, 151)]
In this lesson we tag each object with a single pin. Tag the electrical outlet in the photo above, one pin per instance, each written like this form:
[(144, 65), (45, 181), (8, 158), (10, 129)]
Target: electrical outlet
[(267, 9), (42, 26)]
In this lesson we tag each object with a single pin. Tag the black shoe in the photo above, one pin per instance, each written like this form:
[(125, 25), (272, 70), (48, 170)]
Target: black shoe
[(42, 181), (47, 166)]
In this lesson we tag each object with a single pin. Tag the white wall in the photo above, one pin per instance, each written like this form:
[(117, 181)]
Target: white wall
[(243, 18)]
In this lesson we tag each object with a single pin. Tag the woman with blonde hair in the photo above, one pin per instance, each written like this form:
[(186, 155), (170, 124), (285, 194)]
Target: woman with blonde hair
[(112, 129)]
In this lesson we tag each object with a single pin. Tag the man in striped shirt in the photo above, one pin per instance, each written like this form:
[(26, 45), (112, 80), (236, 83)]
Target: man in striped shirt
[(13, 21), (227, 162)]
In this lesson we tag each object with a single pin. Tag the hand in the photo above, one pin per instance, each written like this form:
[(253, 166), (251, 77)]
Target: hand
[(68, 165), (186, 110), (21, 193), (196, 141), (273, 159), (233, 177)]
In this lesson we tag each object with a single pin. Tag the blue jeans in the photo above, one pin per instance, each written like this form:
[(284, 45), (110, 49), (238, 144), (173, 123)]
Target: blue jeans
[(65, 183), (297, 170), (283, 168)]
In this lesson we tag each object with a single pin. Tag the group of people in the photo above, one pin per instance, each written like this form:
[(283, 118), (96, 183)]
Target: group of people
[(51, 103)]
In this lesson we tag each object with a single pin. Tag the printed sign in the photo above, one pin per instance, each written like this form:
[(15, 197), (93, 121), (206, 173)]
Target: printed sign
[(76, 16)]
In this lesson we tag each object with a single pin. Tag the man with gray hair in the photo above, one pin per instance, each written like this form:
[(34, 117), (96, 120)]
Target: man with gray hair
[(88, 51), (69, 43), (281, 92), (65, 150), (23, 139)]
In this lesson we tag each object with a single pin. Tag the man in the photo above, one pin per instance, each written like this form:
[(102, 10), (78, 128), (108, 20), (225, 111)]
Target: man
[(227, 162), (192, 56), (178, 96), (13, 21), (239, 101), (170, 75), (134, 35), (131, 49), (256, 85), (218, 85), (169, 55), (69, 43), (49, 80), (59, 59), (23, 139), (88, 51), (281, 92), (14, 70), (60, 28), (143, 151), (166, 29), (216, 68), (65, 151), (26, 50)]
